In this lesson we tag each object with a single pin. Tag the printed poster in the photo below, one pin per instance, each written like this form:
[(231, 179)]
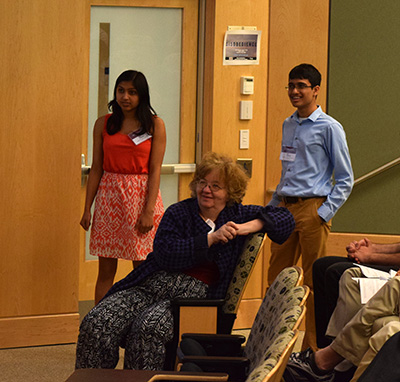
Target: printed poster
[(242, 47)]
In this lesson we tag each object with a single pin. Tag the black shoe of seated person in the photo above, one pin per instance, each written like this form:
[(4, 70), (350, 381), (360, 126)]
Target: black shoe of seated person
[(301, 367), (345, 376)]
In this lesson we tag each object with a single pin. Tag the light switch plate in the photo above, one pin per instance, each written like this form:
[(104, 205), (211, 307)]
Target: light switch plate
[(244, 139), (246, 110)]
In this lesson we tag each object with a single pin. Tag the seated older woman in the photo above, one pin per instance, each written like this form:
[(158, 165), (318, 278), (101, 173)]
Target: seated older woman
[(194, 255)]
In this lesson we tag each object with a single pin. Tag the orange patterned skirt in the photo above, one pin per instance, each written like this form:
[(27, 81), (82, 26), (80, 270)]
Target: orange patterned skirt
[(119, 202)]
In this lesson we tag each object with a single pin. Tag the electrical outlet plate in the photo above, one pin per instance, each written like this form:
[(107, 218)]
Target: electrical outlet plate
[(247, 164)]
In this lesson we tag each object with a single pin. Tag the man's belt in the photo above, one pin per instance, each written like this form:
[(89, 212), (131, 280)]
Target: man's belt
[(295, 199)]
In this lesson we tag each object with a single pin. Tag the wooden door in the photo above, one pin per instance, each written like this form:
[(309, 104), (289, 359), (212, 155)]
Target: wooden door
[(184, 128), (42, 96)]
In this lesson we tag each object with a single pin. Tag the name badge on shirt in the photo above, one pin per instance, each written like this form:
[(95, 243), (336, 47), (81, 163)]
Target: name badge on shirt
[(288, 153), (138, 139)]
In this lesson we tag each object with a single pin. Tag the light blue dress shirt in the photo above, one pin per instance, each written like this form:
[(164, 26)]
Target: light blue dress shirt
[(321, 166)]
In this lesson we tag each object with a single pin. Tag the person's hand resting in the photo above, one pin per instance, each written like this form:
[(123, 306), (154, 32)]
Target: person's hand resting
[(85, 221), (145, 222), (355, 245), (360, 251), (223, 234), (231, 229)]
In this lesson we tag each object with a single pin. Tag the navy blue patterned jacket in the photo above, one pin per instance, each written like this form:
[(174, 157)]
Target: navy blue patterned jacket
[(181, 242)]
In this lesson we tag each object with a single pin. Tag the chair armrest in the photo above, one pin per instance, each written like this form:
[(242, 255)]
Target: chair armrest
[(196, 302), (219, 344), (236, 367), (185, 311), (189, 376), (217, 337)]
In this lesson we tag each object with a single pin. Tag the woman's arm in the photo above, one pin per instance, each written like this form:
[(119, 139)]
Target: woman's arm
[(159, 139), (180, 244), (230, 230), (96, 172), (278, 222)]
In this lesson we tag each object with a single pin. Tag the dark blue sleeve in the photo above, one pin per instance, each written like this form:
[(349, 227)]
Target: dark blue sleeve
[(278, 221)]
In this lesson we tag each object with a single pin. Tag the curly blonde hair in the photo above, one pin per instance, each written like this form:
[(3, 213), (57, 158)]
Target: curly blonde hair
[(231, 173)]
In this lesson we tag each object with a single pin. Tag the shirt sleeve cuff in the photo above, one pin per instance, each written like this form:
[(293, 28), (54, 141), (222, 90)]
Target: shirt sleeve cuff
[(274, 201), (325, 213)]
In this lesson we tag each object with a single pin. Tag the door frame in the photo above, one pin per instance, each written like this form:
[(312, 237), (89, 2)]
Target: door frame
[(88, 268)]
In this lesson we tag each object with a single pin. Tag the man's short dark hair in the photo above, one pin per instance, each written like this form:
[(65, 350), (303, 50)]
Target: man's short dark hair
[(306, 72)]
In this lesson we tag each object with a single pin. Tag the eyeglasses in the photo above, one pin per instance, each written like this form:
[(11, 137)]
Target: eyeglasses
[(299, 86), (214, 187)]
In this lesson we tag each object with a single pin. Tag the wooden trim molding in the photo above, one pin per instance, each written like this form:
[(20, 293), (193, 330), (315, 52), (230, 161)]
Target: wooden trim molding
[(337, 241), (38, 330)]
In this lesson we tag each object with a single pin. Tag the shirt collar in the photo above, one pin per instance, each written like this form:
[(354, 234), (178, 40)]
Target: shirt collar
[(312, 117)]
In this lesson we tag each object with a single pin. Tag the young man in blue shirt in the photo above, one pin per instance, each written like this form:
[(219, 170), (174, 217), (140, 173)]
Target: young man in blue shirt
[(316, 179)]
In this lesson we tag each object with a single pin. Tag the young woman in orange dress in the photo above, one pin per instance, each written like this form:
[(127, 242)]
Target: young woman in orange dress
[(128, 150)]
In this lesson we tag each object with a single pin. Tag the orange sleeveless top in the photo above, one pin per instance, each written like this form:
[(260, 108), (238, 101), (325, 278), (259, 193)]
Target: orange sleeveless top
[(122, 155)]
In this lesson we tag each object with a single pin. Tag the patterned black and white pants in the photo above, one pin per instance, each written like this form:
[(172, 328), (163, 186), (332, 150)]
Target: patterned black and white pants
[(141, 317)]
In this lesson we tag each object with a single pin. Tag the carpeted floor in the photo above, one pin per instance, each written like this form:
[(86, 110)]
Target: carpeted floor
[(53, 363), (41, 363)]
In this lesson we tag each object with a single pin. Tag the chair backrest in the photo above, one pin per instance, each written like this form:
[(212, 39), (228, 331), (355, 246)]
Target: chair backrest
[(288, 278), (275, 316), (301, 275), (272, 365), (242, 272), (241, 275)]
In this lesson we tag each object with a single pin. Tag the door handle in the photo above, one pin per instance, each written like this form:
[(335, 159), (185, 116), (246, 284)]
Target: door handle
[(84, 169), (178, 168), (166, 169)]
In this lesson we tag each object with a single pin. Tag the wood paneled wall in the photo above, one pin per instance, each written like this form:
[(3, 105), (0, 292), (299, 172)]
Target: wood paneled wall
[(41, 96), (222, 124), (298, 34), (221, 102), (293, 31)]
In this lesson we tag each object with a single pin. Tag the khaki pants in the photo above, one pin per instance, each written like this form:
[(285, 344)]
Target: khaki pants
[(357, 341), (348, 303), (308, 240), (375, 344)]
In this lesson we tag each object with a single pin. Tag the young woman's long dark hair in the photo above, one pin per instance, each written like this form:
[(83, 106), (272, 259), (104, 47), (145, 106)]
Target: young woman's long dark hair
[(144, 111)]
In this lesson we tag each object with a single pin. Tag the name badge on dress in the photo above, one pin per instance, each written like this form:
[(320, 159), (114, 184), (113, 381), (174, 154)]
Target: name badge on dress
[(138, 139), (288, 153)]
